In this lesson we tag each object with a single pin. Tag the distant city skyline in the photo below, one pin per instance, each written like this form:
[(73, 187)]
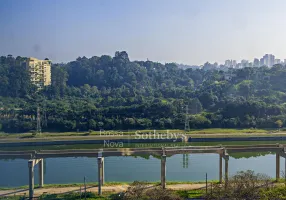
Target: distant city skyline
[(267, 60), (189, 31)]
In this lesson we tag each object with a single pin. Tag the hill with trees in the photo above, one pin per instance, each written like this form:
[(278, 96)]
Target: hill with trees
[(115, 93)]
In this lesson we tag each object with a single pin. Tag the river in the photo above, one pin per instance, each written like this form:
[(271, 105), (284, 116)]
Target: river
[(188, 167)]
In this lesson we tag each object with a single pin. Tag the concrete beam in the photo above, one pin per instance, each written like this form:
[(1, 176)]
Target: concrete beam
[(31, 164), (140, 151)]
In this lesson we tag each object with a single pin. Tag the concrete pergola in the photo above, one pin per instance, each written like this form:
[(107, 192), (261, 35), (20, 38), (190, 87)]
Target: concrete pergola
[(37, 158)]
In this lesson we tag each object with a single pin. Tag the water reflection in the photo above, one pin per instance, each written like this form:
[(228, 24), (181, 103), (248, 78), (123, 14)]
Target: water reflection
[(186, 167)]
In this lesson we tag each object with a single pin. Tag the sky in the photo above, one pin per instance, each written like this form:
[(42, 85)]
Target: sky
[(183, 31)]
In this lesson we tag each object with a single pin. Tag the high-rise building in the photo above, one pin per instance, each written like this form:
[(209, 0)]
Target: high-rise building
[(245, 63), (230, 63), (227, 63), (234, 63), (40, 71), (261, 62), (277, 61), (256, 62), (269, 60), (272, 59)]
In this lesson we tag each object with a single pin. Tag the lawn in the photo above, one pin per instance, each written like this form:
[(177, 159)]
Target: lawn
[(133, 133)]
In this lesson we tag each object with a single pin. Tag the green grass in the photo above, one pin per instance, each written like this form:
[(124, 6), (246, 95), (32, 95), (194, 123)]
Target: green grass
[(70, 196), (119, 133), (226, 131), (191, 193), (105, 196)]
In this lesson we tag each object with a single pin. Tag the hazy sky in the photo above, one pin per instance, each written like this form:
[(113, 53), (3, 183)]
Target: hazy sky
[(183, 31)]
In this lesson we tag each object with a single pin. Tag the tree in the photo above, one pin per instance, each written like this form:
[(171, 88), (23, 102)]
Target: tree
[(59, 80), (92, 124), (279, 124), (119, 93)]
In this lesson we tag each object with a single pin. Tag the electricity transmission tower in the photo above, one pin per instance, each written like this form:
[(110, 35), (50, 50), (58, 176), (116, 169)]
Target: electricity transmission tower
[(187, 124), (38, 120), (44, 113)]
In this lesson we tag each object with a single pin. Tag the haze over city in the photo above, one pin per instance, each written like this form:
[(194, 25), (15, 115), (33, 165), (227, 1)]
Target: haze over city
[(142, 99), (189, 32)]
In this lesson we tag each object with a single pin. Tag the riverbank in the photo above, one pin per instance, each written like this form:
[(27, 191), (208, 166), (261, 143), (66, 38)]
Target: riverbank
[(108, 188), (121, 139), (122, 142), (133, 133)]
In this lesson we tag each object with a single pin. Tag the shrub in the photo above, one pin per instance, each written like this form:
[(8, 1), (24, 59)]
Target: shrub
[(273, 193), (34, 133), (243, 185), (143, 191)]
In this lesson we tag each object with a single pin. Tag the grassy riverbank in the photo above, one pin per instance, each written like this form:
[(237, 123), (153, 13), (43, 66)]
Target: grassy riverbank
[(182, 191), (110, 190), (106, 196), (116, 134), (95, 184)]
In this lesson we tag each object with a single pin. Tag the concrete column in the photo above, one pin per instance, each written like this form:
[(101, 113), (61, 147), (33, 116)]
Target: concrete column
[(31, 164), (220, 168), (163, 171), (99, 161), (277, 166), (41, 173), (226, 158), (102, 173)]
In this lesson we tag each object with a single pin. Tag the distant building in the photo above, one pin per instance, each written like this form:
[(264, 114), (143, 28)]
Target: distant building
[(261, 62), (239, 66), (234, 63), (230, 63), (256, 62), (269, 60), (277, 61), (227, 63), (216, 65), (40, 71), (245, 63)]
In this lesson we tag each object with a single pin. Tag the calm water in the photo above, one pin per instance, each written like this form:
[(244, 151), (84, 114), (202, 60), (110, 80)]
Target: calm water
[(192, 167)]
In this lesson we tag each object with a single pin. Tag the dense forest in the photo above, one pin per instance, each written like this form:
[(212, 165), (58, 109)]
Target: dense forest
[(115, 93)]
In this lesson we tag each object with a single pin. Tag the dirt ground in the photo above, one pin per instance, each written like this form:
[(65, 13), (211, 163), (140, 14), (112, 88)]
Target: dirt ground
[(115, 189)]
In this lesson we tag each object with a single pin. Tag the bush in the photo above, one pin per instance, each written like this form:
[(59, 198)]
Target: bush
[(143, 191), (243, 185), (89, 132), (273, 193)]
